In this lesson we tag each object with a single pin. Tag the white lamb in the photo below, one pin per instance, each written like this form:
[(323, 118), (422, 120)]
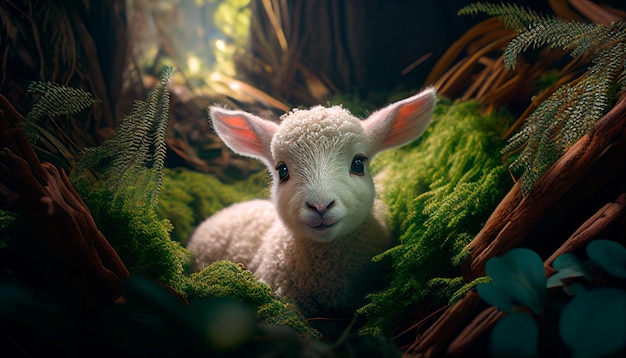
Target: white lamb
[(313, 242)]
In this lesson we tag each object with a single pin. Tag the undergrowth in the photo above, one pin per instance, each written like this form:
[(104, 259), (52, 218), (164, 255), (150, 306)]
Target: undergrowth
[(570, 111), (440, 190)]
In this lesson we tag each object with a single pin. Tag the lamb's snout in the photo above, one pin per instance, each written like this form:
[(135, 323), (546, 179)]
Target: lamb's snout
[(320, 208), (321, 218)]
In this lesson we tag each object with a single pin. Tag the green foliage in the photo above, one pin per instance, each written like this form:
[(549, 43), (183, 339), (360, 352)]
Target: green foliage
[(120, 183), (461, 292), (56, 100), (153, 320), (233, 19), (219, 319), (517, 279), (139, 236), (135, 157), (189, 197), (8, 221), (588, 322), (515, 335), (440, 190), (593, 323), (229, 280), (53, 100), (142, 241), (570, 111), (568, 266), (608, 255), (130, 167)]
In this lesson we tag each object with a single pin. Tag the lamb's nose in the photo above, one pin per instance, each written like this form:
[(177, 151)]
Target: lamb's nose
[(320, 208)]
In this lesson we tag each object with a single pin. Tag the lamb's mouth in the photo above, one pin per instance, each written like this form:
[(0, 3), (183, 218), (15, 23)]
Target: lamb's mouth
[(323, 227)]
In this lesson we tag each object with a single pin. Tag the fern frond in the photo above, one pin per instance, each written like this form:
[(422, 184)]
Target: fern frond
[(553, 32), (54, 100), (511, 15), (566, 116), (135, 156), (536, 30), (57, 100), (439, 193), (571, 110)]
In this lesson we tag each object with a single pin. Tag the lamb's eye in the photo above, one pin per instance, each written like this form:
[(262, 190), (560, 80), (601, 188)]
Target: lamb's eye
[(358, 165), (283, 172)]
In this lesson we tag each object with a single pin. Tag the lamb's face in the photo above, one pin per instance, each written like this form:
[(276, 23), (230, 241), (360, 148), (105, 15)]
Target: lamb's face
[(319, 158), (323, 188)]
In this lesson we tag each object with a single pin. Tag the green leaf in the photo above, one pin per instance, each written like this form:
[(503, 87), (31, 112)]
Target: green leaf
[(609, 255), (495, 296), (593, 323), (517, 279), (567, 266), (575, 289), (515, 335), (456, 296)]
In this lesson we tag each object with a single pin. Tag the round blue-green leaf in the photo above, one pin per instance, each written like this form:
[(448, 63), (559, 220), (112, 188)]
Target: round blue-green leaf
[(609, 255), (517, 279), (494, 296), (515, 335), (567, 266), (575, 289), (594, 323)]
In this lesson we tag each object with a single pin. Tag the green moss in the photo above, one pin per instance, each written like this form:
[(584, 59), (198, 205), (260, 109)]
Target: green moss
[(142, 239), (9, 223), (440, 190), (138, 235), (189, 197), (227, 279)]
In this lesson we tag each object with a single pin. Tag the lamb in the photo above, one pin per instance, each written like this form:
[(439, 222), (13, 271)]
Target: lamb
[(314, 240)]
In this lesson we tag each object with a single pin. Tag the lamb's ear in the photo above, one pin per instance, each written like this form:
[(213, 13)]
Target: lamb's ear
[(244, 133), (400, 122)]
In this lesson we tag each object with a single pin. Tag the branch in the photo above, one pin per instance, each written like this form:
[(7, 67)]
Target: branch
[(516, 216)]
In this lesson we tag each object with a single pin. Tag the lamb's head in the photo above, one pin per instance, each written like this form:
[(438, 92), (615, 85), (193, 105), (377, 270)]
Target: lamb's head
[(319, 159), (324, 189)]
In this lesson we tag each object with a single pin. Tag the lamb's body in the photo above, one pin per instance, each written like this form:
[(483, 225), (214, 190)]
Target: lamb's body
[(323, 278), (314, 241)]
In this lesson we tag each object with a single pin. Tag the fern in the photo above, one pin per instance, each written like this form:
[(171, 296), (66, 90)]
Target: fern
[(569, 113), (57, 100), (133, 160), (439, 194), (53, 100)]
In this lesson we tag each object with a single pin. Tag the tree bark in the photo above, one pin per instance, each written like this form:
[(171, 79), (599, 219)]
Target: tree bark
[(591, 169), (516, 216), (74, 256)]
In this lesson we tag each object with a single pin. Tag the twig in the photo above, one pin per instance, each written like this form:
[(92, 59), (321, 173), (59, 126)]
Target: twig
[(594, 228)]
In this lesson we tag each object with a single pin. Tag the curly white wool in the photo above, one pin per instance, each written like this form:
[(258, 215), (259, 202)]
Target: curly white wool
[(313, 242)]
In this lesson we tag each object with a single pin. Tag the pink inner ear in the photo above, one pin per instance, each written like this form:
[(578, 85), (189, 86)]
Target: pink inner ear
[(242, 130), (409, 115), (407, 110), (406, 114), (244, 133), (401, 122)]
